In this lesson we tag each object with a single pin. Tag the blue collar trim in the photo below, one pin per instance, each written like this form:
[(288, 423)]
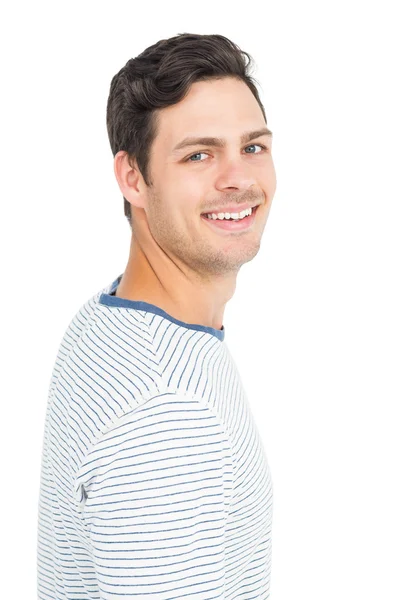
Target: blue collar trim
[(108, 298)]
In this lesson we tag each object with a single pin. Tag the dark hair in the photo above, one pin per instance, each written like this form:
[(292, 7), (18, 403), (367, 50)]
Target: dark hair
[(161, 76)]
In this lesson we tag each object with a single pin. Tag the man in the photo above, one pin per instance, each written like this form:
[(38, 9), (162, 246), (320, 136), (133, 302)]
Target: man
[(154, 482)]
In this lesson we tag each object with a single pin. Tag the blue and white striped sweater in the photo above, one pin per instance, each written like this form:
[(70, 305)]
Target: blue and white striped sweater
[(154, 481)]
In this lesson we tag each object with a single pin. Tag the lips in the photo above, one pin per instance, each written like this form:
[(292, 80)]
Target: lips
[(230, 226), (253, 210), (229, 209)]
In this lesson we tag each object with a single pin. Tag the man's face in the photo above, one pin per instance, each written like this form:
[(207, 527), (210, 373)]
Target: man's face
[(205, 178)]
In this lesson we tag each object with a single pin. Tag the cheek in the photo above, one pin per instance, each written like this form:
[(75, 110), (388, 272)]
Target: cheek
[(271, 173), (186, 201), (266, 179), (184, 194)]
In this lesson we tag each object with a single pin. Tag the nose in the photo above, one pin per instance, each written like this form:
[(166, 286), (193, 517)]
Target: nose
[(234, 174)]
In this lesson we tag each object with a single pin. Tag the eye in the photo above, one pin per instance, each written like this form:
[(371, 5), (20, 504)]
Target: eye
[(197, 154), (189, 159), (253, 145)]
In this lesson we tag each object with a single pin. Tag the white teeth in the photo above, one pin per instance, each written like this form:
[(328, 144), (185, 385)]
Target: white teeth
[(235, 216)]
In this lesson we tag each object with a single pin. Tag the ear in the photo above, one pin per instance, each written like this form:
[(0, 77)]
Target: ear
[(129, 179)]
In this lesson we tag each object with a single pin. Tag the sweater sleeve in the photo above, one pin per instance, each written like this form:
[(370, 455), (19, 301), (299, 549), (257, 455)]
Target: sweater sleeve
[(154, 494)]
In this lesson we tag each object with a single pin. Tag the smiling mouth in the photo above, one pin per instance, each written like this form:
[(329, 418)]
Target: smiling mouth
[(215, 212), (232, 224)]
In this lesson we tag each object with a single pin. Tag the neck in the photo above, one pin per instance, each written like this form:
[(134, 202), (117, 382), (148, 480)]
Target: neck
[(151, 275)]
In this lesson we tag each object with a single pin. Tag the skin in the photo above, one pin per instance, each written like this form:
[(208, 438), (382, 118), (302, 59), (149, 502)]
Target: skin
[(177, 261)]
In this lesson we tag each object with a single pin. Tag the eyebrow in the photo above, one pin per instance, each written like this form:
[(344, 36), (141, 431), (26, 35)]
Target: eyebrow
[(220, 142)]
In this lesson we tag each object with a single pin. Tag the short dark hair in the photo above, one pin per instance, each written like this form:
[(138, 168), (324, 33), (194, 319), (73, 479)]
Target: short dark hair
[(161, 76)]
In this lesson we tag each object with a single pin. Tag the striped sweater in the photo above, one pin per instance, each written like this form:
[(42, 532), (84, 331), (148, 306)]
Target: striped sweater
[(154, 481)]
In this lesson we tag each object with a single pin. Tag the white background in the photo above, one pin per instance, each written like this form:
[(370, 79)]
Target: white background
[(314, 323)]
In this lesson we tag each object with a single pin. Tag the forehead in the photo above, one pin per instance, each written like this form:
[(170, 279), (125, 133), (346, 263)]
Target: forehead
[(224, 107)]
